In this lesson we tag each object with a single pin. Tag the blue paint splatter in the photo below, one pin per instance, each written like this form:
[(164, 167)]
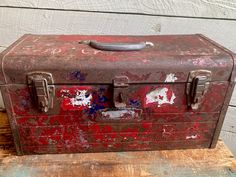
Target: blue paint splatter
[(77, 75), (94, 108), (24, 103), (99, 102), (135, 103)]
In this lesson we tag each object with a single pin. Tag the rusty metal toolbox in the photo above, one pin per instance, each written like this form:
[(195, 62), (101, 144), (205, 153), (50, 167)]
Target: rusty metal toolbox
[(78, 93)]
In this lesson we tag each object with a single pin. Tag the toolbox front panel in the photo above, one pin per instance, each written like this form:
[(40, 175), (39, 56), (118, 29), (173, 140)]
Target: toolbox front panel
[(92, 101), (83, 119), (93, 136)]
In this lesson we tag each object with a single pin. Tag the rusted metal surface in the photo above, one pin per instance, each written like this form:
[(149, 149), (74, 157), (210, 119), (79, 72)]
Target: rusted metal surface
[(115, 101), (71, 62)]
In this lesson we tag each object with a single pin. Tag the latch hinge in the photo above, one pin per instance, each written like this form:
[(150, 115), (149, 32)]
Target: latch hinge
[(197, 86), (120, 91), (42, 89)]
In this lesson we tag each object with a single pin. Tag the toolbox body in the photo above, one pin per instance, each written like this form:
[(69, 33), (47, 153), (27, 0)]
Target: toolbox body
[(78, 93)]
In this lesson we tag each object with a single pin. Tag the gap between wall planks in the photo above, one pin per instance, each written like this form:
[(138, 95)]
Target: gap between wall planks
[(17, 21), (223, 9)]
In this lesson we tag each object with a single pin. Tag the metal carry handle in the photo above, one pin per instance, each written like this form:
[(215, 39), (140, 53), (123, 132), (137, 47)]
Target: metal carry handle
[(119, 46)]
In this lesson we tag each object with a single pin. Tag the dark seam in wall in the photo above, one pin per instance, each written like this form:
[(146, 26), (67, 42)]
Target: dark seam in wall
[(230, 105), (121, 13), (228, 131)]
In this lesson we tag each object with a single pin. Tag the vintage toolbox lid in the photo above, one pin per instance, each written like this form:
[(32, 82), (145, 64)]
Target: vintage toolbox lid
[(80, 59)]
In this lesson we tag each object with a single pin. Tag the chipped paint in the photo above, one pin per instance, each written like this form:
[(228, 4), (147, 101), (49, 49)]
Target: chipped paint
[(167, 130), (171, 78), (118, 114), (90, 51), (81, 99), (160, 96), (83, 141), (52, 51), (192, 137), (149, 43)]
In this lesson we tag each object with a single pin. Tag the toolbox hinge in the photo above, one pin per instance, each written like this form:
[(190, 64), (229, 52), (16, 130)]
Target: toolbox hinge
[(197, 86), (41, 89), (120, 84)]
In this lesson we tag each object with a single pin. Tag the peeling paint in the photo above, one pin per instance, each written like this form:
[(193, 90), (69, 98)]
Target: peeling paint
[(81, 99), (171, 78), (160, 96)]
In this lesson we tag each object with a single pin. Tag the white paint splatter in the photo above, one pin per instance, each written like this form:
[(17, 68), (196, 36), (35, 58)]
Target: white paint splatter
[(87, 52), (83, 140), (81, 99), (145, 61), (191, 137), (149, 43), (171, 78), (55, 51), (160, 97)]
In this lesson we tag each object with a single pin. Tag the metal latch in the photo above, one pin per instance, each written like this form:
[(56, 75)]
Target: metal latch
[(41, 89), (120, 91), (197, 86)]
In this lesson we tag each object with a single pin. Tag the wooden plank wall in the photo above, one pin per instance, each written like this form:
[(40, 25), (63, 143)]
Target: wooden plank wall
[(213, 18)]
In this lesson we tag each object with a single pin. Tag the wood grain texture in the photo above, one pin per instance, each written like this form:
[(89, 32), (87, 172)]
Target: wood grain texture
[(189, 8), (230, 123), (6, 140), (228, 133), (229, 139), (16, 22), (211, 163), (233, 99)]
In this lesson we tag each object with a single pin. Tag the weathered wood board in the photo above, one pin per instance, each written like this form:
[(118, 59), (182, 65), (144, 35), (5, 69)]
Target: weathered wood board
[(218, 162), (16, 22), (6, 139), (229, 139), (188, 8), (230, 124), (228, 133)]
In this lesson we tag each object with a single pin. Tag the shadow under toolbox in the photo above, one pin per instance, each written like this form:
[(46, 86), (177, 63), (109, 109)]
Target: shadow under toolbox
[(77, 93)]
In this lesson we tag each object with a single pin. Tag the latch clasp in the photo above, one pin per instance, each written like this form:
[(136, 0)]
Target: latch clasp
[(197, 86), (41, 89), (120, 84)]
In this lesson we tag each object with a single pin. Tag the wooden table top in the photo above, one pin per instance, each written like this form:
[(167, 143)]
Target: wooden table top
[(218, 162)]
